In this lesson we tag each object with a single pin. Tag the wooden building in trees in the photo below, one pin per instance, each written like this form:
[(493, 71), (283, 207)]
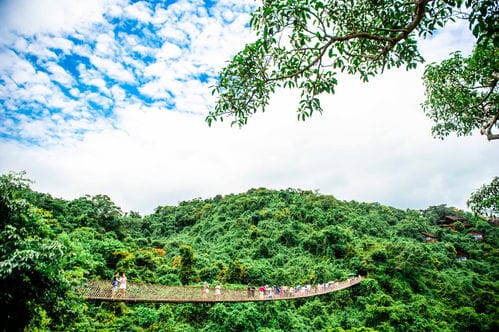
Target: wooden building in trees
[(477, 235), (450, 221), (461, 256), (428, 237)]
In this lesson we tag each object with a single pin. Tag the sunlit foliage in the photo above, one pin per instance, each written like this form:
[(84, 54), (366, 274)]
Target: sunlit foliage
[(261, 237)]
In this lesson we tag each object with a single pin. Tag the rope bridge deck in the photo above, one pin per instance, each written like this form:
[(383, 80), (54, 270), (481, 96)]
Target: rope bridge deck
[(136, 292)]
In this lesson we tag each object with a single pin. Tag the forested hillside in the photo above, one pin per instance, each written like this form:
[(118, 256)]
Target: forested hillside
[(430, 270)]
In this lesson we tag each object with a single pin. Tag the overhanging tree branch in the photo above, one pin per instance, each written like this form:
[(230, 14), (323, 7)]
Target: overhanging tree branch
[(303, 44)]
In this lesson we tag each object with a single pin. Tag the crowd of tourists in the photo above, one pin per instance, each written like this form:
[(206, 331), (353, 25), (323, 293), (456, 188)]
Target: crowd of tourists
[(266, 291), (276, 291)]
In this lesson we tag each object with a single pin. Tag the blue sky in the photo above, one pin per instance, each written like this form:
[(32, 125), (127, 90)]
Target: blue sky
[(109, 97)]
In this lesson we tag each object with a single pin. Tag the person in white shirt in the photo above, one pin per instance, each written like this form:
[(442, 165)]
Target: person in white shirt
[(123, 285)]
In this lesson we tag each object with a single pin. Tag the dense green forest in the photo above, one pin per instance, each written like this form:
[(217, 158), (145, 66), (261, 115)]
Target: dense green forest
[(426, 270)]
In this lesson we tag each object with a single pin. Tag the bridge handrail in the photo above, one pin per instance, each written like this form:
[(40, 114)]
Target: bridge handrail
[(140, 292)]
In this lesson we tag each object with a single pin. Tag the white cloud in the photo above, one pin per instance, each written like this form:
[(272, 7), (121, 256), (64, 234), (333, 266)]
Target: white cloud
[(172, 34), (59, 74), (35, 128), (139, 11), (83, 50), (151, 89), (58, 43), (193, 96), (65, 104), (168, 51), (118, 94), (99, 83), (455, 36), (105, 44), (112, 69), (23, 72), (50, 16), (74, 92), (99, 99), (228, 15), (39, 93), (40, 51), (157, 69)]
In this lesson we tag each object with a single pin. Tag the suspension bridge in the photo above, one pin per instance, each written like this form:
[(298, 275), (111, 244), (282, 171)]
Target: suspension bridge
[(100, 290)]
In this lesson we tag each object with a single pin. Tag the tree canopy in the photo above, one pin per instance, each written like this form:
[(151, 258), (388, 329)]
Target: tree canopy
[(34, 284), (262, 237), (461, 93), (485, 200), (305, 44)]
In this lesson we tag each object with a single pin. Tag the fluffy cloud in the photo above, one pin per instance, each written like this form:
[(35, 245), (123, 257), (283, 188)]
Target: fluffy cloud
[(59, 75), (50, 16)]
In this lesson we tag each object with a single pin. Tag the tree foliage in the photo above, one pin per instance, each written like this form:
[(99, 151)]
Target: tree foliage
[(34, 288), (485, 201), (305, 44), (273, 237), (186, 263), (461, 93)]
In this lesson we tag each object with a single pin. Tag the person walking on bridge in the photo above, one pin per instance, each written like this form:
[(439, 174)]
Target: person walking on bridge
[(206, 289), (115, 283), (123, 281)]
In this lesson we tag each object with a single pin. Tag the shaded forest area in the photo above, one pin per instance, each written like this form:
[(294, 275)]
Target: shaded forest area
[(431, 270)]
